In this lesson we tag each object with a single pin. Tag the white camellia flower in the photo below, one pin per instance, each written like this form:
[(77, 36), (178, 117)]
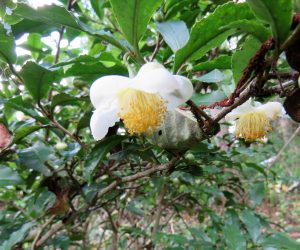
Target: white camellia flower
[(253, 121), (141, 102)]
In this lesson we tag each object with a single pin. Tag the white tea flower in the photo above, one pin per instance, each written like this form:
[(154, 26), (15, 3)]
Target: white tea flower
[(253, 121), (141, 102)]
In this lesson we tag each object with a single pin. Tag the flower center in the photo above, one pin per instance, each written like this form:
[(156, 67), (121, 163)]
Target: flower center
[(252, 126), (141, 112)]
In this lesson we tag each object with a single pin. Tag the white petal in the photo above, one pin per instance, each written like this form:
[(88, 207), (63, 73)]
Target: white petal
[(186, 87), (103, 91), (154, 78), (102, 119), (240, 110), (272, 109)]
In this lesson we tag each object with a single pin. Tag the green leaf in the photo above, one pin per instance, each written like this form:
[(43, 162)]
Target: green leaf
[(97, 6), (29, 26), (7, 47), (234, 237), (281, 241), (252, 27), (252, 224), (277, 13), (133, 17), (92, 71), (213, 76), (221, 62), (207, 99), (9, 177), (210, 32), (241, 58), (35, 43), (35, 157), (38, 79), (175, 33), (133, 208), (63, 99), (257, 193), (17, 236), (17, 103), (58, 16), (24, 131), (84, 120), (98, 153)]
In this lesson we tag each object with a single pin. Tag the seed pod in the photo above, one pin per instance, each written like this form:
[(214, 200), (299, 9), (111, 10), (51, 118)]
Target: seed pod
[(179, 131), (292, 106)]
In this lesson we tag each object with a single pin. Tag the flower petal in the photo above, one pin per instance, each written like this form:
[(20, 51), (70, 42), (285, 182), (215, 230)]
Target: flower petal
[(186, 87), (272, 109), (154, 78), (102, 119), (104, 90), (237, 112)]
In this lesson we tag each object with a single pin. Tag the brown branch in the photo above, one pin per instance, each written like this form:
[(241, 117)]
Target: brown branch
[(243, 98), (114, 226), (60, 127), (37, 237), (197, 111), (57, 227), (137, 176), (159, 43), (159, 209), (278, 155)]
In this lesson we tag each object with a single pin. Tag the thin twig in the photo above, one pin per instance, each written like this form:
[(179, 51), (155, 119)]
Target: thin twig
[(33, 246), (278, 155), (159, 209)]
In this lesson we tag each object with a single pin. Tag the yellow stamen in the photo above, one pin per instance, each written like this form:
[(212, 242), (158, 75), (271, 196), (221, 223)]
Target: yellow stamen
[(141, 112), (253, 126)]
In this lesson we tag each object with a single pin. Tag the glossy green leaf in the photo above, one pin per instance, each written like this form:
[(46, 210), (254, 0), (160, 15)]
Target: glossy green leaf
[(208, 32), (207, 99), (35, 157), (58, 16), (29, 26), (276, 13), (221, 62), (175, 33), (63, 99), (9, 177), (98, 153), (17, 236), (241, 58), (138, 13), (281, 241), (35, 44), (24, 131), (91, 71), (38, 79), (234, 237), (257, 193), (252, 27), (97, 6), (213, 76), (252, 224), (7, 47), (27, 108)]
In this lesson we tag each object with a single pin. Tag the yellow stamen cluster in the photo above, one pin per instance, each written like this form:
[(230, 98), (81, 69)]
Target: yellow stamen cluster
[(141, 112), (253, 126)]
